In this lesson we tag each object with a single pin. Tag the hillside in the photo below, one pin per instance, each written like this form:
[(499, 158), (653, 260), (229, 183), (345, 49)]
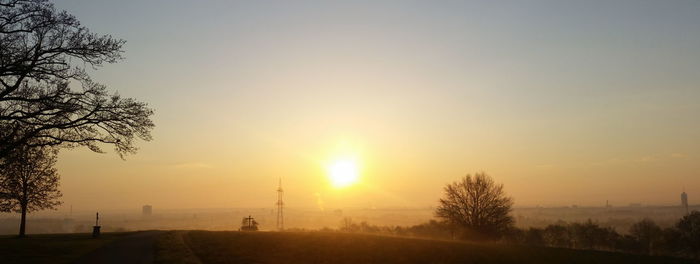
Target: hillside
[(214, 247), (339, 248), (52, 248)]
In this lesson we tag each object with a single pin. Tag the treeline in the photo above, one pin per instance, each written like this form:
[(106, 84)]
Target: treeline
[(643, 237), (431, 229)]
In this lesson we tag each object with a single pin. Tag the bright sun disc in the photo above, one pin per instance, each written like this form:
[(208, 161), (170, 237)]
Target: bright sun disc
[(343, 173)]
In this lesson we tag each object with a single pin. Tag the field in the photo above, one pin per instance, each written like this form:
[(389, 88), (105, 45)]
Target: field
[(53, 248), (210, 247), (339, 248)]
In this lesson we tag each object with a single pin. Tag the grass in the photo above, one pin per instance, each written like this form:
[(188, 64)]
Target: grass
[(50, 248), (340, 248), (207, 247), (170, 248)]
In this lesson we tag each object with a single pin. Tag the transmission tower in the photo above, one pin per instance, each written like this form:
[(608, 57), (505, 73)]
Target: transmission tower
[(280, 207)]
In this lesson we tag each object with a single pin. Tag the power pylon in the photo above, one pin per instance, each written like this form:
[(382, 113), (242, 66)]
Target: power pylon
[(280, 207)]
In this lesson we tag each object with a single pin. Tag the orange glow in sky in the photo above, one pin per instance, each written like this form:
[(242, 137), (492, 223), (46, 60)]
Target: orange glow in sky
[(562, 103)]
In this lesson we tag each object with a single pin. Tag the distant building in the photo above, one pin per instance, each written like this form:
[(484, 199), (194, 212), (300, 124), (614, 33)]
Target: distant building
[(684, 201), (147, 210)]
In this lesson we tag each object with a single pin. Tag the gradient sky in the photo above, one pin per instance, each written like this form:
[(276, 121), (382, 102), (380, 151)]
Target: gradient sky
[(565, 102)]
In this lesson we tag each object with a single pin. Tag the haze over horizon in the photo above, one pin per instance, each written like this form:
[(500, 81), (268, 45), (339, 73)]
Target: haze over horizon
[(574, 103)]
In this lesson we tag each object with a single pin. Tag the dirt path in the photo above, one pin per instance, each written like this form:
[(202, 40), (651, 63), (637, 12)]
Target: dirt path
[(172, 247), (137, 248)]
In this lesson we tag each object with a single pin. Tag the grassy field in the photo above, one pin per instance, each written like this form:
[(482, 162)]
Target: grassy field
[(339, 248), (53, 248), (206, 247)]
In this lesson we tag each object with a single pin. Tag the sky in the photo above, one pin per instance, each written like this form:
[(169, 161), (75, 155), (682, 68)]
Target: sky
[(564, 102)]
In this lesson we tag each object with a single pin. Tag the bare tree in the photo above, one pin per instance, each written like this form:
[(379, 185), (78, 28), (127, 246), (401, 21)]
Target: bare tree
[(477, 204), (46, 96), (29, 182)]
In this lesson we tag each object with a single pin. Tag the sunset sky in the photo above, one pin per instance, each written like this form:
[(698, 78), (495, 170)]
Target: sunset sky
[(564, 103)]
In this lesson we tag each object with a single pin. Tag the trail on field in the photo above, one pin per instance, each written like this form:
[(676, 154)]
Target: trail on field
[(137, 249)]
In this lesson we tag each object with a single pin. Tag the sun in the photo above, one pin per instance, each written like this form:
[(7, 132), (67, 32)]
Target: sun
[(343, 172)]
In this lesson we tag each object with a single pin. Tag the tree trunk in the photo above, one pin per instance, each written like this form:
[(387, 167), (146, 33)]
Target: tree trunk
[(23, 222)]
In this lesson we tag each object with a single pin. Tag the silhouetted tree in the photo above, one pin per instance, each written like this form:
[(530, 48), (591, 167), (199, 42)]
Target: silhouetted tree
[(29, 182), (557, 236), (432, 229), (534, 236), (689, 227), (347, 225), (645, 237), (647, 234), (515, 235), (671, 241), (46, 95), (478, 204), (590, 235)]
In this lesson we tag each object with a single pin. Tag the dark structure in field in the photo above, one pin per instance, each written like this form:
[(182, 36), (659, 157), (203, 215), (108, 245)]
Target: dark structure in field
[(684, 202), (249, 224)]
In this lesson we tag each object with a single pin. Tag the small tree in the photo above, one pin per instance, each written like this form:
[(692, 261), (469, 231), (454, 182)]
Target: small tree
[(347, 225), (590, 235), (671, 241), (534, 237), (689, 227), (477, 204), (29, 182), (647, 234), (557, 235)]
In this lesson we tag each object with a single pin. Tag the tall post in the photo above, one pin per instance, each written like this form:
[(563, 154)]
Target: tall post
[(280, 207)]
